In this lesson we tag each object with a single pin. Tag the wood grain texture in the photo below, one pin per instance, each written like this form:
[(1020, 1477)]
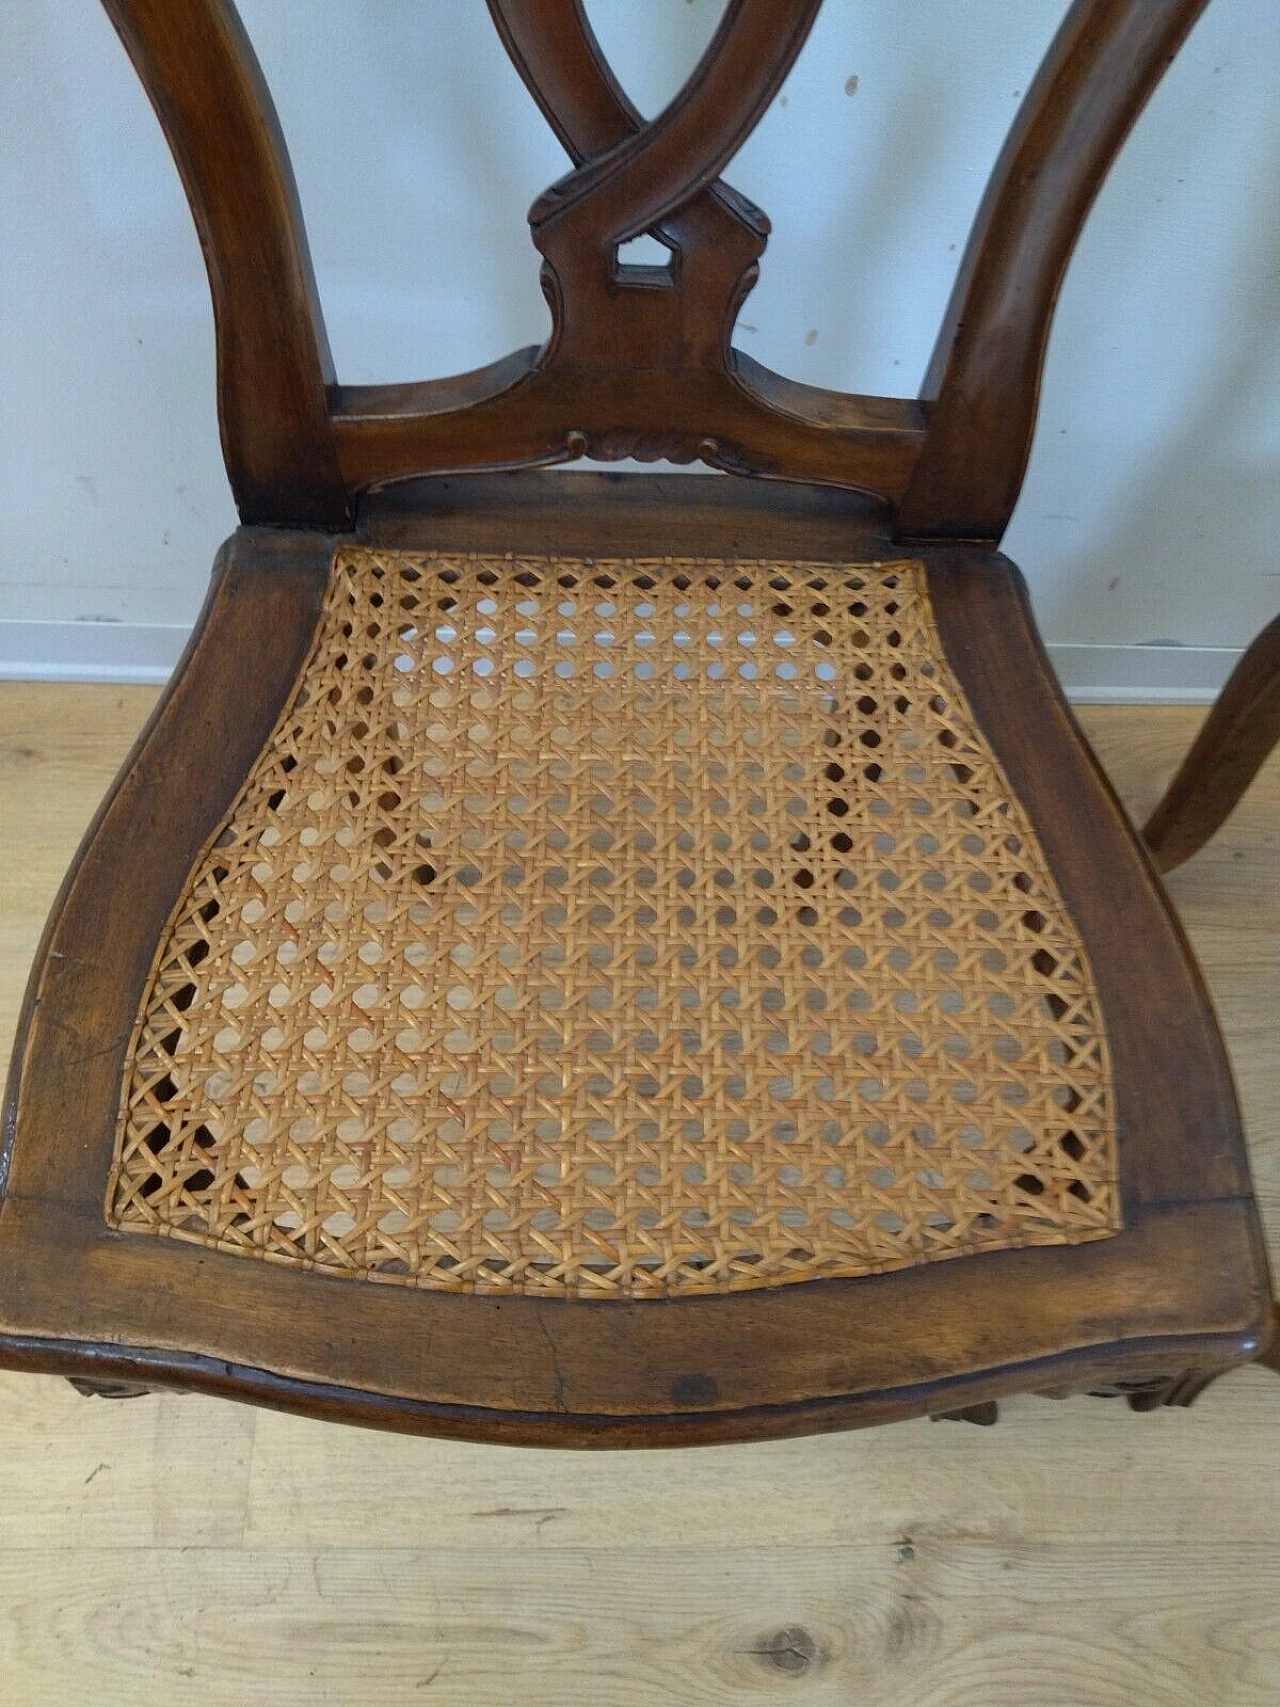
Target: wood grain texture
[(1230, 748), (922, 1622), (178, 1549), (274, 367), (639, 362), (982, 387), (1182, 1286)]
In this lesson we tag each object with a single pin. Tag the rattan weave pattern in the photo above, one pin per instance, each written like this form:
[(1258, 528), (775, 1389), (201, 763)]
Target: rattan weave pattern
[(620, 929)]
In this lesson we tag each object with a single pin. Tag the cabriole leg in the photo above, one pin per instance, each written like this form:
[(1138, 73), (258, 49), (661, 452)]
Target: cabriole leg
[(108, 1389)]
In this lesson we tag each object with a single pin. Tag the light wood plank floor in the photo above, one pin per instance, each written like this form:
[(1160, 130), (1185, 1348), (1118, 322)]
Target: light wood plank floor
[(181, 1550)]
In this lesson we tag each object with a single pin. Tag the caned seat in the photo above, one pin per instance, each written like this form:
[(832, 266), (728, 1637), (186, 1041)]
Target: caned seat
[(620, 958), (620, 928)]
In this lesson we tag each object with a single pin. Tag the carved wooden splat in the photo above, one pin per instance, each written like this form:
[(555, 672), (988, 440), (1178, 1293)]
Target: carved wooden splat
[(655, 177), (639, 361), (715, 235)]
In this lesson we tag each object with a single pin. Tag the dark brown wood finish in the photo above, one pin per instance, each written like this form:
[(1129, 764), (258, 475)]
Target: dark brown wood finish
[(1270, 1353), (983, 384), (274, 367), (1019, 703), (1183, 1287), (1238, 735), (224, 696), (639, 362)]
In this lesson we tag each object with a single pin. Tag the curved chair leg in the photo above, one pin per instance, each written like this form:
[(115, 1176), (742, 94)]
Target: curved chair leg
[(985, 1414), (1238, 734), (1270, 1354), (1182, 1390), (107, 1389)]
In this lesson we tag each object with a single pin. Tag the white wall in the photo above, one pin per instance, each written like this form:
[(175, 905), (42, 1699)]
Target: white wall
[(1148, 523)]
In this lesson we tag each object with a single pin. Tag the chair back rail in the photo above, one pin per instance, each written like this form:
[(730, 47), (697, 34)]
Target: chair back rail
[(640, 362), (982, 387), (275, 372)]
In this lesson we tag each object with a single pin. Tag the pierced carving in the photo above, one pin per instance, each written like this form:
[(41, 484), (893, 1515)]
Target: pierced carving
[(639, 358), (645, 349), (632, 177)]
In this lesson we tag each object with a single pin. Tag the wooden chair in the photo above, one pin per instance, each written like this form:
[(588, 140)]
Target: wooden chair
[(1241, 730), (609, 959)]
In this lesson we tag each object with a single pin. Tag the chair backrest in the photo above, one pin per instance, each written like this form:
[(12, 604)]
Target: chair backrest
[(639, 362)]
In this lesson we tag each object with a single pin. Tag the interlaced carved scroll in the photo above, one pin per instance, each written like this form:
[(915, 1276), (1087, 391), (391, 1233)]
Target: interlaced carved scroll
[(715, 235), (639, 361), (654, 172)]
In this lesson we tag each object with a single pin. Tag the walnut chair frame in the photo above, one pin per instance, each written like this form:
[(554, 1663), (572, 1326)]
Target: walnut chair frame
[(639, 363)]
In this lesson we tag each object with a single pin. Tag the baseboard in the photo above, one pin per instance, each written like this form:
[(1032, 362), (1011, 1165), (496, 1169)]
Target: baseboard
[(139, 653), (143, 653), (1174, 675)]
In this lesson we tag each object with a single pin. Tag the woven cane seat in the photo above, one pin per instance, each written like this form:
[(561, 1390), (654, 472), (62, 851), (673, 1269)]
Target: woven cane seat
[(619, 929), (539, 890)]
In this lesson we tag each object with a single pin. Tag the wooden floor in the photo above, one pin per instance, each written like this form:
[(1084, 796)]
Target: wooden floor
[(181, 1550)]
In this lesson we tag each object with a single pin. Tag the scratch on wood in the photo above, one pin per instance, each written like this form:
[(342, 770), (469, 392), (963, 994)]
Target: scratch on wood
[(544, 1330)]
